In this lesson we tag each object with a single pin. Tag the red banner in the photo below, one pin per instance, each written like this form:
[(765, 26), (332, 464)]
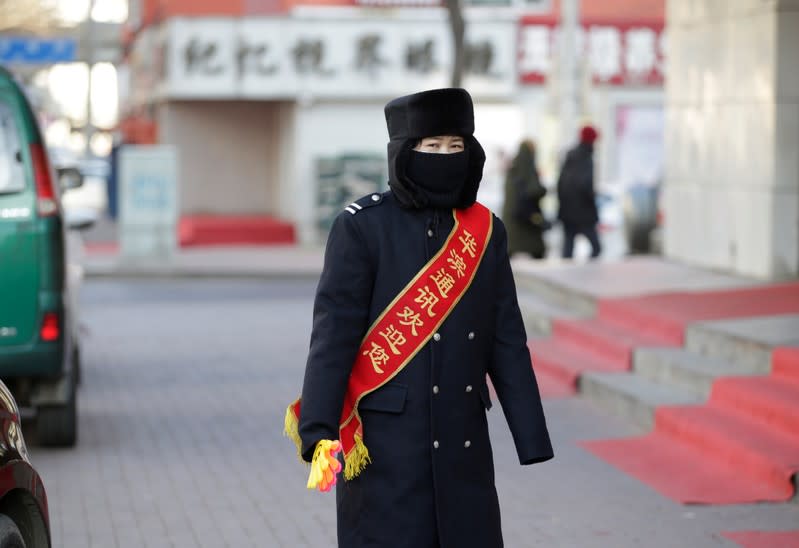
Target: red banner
[(407, 324)]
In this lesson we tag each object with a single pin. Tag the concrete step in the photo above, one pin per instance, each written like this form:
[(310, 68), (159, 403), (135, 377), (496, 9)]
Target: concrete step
[(606, 340), (632, 396), (746, 341), (539, 312), (561, 295), (566, 363), (688, 370)]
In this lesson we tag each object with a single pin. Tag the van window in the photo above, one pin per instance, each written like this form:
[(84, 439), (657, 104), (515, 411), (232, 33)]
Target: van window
[(12, 178)]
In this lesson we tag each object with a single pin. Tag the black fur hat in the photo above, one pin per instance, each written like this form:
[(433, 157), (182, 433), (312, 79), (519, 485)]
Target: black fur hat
[(447, 111)]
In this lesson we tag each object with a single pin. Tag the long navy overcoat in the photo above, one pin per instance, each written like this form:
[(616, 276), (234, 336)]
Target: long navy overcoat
[(430, 483)]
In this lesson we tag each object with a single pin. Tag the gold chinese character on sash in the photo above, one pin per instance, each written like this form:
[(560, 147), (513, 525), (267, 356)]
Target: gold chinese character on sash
[(427, 299), (444, 282), (378, 356), (411, 318), (394, 338), (469, 244), (456, 263)]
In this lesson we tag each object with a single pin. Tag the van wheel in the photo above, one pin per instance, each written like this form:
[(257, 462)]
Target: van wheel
[(57, 425), (10, 537)]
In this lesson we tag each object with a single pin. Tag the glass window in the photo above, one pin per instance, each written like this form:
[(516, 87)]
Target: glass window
[(12, 177)]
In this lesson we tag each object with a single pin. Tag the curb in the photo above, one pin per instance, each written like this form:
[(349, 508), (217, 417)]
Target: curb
[(195, 273)]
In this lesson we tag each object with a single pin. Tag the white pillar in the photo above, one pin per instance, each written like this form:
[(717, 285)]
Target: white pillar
[(568, 72), (731, 193)]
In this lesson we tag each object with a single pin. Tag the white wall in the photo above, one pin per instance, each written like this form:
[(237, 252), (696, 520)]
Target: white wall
[(604, 101), (328, 129), (335, 128), (732, 134), (229, 154)]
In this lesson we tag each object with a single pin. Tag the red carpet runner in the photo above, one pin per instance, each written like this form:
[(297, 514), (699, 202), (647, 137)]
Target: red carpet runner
[(605, 343), (234, 229), (741, 446), (765, 539)]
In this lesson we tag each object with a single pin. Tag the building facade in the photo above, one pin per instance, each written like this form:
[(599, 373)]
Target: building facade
[(731, 197), (276, 108)]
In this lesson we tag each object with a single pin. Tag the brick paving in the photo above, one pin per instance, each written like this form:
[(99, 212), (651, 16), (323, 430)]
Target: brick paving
[(181, 410)]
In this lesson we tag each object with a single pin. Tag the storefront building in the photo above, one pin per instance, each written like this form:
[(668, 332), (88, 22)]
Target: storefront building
[(276, 110)]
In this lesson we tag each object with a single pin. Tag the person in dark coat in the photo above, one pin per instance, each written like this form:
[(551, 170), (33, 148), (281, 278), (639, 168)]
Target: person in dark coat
[(521, 211), (430, 479), (577, 210)]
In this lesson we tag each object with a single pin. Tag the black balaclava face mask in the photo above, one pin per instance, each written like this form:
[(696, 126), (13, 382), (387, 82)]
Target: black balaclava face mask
[(447, 111), (438, 177)]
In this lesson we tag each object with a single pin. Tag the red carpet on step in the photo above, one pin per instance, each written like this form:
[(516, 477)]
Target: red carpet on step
[(741, 446), (586, 345), (606, 343), (668, 314), (764, 539), (234, 229)]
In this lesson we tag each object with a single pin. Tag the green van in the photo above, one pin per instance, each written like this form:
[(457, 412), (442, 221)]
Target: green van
[(38, 333)]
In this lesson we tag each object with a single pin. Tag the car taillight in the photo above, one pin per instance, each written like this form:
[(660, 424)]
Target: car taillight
[(51, 329), (46, 203)]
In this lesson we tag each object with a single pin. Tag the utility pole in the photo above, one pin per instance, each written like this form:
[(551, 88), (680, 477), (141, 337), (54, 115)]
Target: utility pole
[(569, 72), (87, 37), (457, 26)]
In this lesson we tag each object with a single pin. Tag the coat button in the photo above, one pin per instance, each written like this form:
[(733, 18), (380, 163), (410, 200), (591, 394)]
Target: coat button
[(375, 197), (436, 337), (435, 444), (435, 389), (468, 387), (467, 444), (429, 232), (470, 336)]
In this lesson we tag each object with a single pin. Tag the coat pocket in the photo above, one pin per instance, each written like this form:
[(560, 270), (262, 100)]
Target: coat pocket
[(388, 399)]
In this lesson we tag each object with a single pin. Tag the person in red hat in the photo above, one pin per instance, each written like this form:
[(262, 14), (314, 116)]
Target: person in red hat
[(577, 209)]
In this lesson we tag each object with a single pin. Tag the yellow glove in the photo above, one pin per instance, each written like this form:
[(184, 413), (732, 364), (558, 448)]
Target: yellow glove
[(324, 465)]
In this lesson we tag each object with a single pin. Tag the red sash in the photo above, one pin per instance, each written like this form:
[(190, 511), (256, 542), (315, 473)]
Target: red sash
[(406, 325)]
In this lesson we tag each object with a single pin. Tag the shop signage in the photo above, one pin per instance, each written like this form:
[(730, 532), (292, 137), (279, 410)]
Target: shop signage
[(31, 50), (289, 58), (615, 54)]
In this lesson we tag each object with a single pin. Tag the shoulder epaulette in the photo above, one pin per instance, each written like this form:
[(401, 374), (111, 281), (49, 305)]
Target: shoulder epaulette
[(362, 203)]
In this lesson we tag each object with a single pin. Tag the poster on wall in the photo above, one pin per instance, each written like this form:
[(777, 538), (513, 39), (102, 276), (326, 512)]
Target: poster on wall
[(639, 145), (148, 199), (342, 179)]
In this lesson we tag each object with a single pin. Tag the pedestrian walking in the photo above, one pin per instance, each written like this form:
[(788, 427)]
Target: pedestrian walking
[(416, 304), (577, 209), (521, 210)]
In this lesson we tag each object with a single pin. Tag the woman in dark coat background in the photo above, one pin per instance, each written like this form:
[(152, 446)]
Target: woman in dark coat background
[(521, 211), (430, 480)]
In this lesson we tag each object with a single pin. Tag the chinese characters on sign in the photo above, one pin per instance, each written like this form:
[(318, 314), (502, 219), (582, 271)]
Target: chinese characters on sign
[(286, 57), (614, 54)]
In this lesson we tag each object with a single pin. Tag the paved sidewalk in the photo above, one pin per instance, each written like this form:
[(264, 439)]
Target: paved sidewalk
[(181, 411)]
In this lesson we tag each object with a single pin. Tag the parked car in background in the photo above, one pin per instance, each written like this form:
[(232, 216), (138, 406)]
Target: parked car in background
[(24, 516), (39, 335), (93, 192)]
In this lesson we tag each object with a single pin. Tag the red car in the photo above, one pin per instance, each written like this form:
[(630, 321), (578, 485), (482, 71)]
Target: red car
[(24, 520)]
